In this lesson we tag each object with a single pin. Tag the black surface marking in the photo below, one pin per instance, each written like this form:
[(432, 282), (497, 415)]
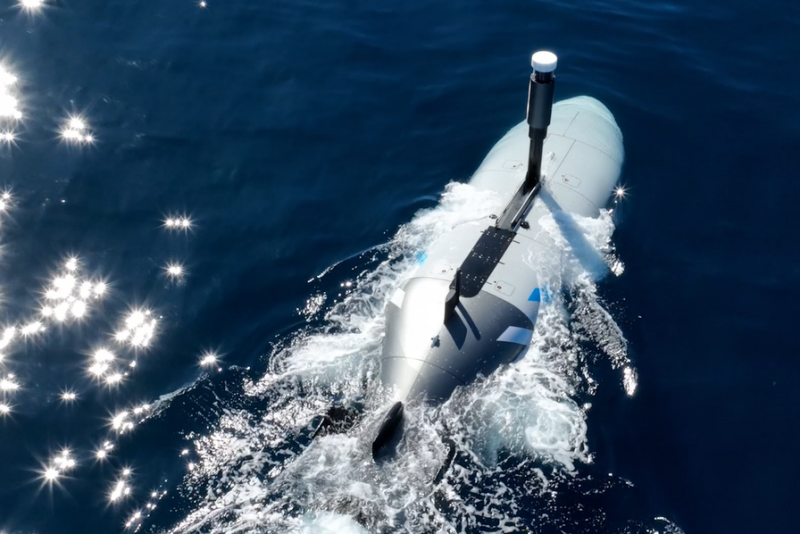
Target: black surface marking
[(483, 258), (468, 319), (453, 295)]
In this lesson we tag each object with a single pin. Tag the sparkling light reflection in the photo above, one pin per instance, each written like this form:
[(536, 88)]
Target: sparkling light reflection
[(31, 329), (139, 329), (120, 490), (178, 223), (74, 131), (103, 355), (6, 78), (136, 516), (174, 270), (99, 369), (69, 296), (619, 192), (9, 384), (120, 422), (8, 102), (114, 379), (102, 452), (64, 460), (86, 290), (8, 336), (208, 359), (51, 474), (8, 107), (31, 5)]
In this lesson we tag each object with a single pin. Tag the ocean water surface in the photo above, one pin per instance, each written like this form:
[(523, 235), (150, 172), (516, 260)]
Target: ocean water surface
[(206, 205)]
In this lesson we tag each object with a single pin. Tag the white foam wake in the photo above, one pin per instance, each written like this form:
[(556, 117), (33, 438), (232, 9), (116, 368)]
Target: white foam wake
[(253, 476)]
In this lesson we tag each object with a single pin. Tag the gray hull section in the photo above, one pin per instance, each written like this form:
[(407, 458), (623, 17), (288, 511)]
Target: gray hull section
[(469, 344)]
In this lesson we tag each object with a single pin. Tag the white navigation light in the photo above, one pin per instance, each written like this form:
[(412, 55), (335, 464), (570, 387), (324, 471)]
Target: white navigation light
[(544, 61)]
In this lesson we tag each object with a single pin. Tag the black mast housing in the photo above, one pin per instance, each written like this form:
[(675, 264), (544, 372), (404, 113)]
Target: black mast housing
[(540, 108)]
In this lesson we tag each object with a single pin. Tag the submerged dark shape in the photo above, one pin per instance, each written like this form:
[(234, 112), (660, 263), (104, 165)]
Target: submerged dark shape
[(338, 419), (388, 427)]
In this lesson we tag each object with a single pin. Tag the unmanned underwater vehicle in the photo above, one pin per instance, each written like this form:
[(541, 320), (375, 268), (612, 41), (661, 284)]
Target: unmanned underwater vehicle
[(471, 304)]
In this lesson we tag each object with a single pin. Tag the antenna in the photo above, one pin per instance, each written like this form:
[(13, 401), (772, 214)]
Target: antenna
[(540, 108)]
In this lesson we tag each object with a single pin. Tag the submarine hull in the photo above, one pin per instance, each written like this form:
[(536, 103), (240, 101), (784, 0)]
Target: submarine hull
[(471, 305)]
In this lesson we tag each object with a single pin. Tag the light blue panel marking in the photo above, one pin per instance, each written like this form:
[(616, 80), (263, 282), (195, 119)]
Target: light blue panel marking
[(514, 334), (421, 257), (540, 295)]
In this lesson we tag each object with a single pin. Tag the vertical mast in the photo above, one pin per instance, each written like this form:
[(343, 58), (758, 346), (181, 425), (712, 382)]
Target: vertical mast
[(540, 107)]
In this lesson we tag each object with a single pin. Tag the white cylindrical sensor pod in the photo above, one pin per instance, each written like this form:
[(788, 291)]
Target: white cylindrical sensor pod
[(544, 61)]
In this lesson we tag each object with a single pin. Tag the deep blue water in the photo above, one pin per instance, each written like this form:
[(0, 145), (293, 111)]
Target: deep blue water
[(299, 134)]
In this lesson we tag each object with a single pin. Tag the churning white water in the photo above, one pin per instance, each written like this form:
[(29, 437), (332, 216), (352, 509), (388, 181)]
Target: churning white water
[(518, 434)]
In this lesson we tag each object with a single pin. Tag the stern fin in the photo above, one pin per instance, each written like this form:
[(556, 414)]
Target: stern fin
[(388, 427)]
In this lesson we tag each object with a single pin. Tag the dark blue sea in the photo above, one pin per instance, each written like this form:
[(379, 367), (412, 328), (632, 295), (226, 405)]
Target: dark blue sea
[(206, 204)]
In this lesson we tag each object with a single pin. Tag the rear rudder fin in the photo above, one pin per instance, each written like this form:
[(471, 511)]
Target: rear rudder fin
[(390, 423)]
